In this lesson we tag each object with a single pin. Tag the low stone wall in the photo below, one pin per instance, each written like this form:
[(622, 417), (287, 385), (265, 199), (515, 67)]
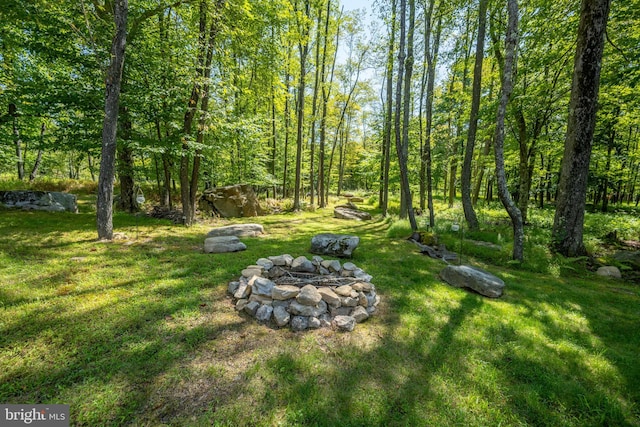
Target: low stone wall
[(52, 201), (305, 294)]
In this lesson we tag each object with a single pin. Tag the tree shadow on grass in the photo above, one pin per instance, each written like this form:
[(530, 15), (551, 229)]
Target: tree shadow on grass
[(397, 370)]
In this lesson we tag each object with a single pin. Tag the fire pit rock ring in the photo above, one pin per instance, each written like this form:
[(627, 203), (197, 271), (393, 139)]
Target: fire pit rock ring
[(305, 294)]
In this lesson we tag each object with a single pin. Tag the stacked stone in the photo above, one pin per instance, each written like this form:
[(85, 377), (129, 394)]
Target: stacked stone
[(305, 306)]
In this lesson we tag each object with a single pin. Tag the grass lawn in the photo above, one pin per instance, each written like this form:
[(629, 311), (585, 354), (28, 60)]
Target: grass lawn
[(140, 331)]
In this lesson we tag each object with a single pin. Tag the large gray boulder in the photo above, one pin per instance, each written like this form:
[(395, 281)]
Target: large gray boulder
[(465, 276), (609, 271), (231, 201), (52, 201), (340, 245), (238, 230), (221, 244)]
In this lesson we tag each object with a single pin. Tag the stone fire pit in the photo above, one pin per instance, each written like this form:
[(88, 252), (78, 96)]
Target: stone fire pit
[(305, 294)]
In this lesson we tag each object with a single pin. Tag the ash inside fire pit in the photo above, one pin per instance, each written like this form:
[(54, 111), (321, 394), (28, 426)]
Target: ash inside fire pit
[(305, 294)]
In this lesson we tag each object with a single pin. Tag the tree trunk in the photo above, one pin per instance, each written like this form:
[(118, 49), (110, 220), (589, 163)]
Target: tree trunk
[(125, 164), (36, 165), (386, 138), (303, 47), (405, 63), (314, 108), (507, 86), (287, 123), (426, 61), (189, 182), (572, 189), (104, 213), (17, 142), (469, 212)]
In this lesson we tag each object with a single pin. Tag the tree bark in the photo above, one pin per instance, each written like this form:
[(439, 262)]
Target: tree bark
[(469, 212), (36, 165), (303, 47), (104, 214), (566, 237), (17, 142), (386, 138), (507, 86), (402, 142)]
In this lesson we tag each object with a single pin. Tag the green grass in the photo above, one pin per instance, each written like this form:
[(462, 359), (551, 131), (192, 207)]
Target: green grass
[(140, 331)]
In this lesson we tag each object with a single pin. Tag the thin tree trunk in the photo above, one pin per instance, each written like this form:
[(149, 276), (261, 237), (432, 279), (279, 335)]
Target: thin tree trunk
[(104, 213), (572, 189), (314, 107), (303, 47), (405, 63), (36, 165), (469, 212), (507, 86), (433, 59), (17, 142), (287, 123), (386, 143)]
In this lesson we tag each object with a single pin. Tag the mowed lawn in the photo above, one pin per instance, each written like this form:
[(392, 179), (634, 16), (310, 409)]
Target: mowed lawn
[(140, 331)]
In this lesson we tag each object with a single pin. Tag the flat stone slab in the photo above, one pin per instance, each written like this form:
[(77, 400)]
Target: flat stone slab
[(343, 212), (465, 276), (239, 230), (222, 244)]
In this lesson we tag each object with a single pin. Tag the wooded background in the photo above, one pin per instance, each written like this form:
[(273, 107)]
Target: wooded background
[(303, 98)]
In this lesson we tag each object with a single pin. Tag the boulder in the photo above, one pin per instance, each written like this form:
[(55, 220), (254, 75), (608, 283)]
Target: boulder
[(360, 314), (52, 201), (302, 264), (216, 245), (238, 230), (343, 212), (281, 260), (344, 323), (464, 276), (261, 286), (356, 199), (330, 297), (299, 323), (340, 245), (284, 292), (281, 316), (232, 201), (306, 310), (309, 295), (609, 271), (263, 314)]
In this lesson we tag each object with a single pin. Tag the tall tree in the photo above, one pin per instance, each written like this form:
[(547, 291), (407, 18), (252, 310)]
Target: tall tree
[(469, 212), (110, 123), (405, 63), (199, 92), (302, 18), (505, 92), (388, 116), (569, 217)]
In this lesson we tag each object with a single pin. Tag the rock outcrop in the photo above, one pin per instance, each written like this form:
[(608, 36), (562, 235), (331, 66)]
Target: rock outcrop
[(233, 201), (51, 201)]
